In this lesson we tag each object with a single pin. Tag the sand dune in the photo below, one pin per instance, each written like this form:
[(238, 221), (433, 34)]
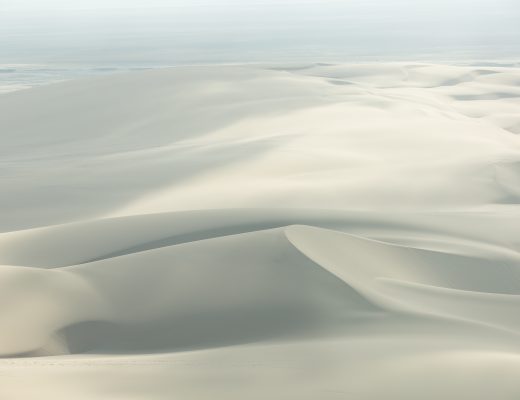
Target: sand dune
[(314, 231), (189, 138)]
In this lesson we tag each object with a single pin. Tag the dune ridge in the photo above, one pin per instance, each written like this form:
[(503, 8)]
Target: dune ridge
[(370, 279)]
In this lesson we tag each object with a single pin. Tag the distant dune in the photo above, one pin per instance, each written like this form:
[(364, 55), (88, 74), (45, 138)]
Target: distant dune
[(263, 232)]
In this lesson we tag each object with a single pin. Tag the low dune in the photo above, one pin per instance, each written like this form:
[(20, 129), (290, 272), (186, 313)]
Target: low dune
[(305, 232)]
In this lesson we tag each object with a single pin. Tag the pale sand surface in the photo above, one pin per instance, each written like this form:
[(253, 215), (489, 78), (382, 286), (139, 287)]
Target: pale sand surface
[(263, 232)]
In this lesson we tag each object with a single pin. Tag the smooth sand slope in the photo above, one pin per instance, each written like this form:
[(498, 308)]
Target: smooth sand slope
[(321, 231)]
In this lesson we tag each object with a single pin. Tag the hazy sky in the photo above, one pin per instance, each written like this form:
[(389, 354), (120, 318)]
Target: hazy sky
[(190, 31)]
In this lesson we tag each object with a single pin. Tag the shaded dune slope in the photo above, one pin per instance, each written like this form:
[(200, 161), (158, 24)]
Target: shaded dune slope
[(260, 285)]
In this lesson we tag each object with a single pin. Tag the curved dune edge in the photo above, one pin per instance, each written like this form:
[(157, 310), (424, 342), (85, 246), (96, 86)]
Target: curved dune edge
[(82, 242), (295, 282), (415, 280)]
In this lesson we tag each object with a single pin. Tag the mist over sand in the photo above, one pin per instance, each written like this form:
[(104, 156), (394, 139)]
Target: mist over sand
[(313, 231)]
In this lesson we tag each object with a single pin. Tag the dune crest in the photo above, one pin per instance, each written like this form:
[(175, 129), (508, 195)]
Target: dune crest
[(273, 284)]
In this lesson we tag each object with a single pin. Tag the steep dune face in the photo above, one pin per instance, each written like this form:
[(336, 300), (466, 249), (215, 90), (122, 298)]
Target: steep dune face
[(321, 231), (206, 293), (277, 284)]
